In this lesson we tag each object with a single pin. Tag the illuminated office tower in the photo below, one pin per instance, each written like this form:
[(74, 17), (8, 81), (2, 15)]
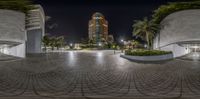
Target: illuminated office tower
[(98, 28)]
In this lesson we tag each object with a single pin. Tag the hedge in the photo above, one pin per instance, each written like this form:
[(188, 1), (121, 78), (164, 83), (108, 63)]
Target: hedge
[(143, 52)]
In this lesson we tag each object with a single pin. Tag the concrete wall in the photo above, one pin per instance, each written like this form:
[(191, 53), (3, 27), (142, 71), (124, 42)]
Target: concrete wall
[(176, 28), (12, 26), (176, 49), (18, 50), (12, 33), (34, 41), (180, 26), (35, 29)]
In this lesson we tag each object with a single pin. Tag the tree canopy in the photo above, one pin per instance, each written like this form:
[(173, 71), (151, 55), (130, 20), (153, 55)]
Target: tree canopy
[(146, 30), (17, 5), (165, 10)]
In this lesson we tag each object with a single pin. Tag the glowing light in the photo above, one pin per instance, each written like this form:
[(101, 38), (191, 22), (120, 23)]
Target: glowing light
[(100, 58), (71, 44), (145, 45), (71, 59), (100, 44), (4, 49), (196, 55), (99, 54), (196, 47)]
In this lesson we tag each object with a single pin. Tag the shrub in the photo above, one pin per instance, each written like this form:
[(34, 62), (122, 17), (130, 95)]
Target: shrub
[(165, 10), (143, 52)]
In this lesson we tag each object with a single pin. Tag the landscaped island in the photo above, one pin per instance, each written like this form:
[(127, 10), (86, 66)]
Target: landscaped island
[(147, 55), (144, 52)]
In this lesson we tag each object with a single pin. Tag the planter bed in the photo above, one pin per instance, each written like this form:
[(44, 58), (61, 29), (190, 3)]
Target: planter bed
[(149, 58), (147, 55)]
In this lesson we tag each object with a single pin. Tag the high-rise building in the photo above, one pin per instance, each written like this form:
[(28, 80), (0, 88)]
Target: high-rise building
[(98, 28)]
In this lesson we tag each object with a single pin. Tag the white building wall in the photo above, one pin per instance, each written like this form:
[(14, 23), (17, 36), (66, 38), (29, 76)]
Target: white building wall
[(176, 28), (12, 26), (12, 33), (180, 26), (176, 49), (18, 50)]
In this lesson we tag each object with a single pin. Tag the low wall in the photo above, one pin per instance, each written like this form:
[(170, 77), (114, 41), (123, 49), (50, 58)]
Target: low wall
[(148, 58)]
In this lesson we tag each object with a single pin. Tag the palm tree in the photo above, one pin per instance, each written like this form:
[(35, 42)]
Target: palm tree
[(52, 42), (146, 30), (59, 42), (46, 42), (135, 44), (91, 42)]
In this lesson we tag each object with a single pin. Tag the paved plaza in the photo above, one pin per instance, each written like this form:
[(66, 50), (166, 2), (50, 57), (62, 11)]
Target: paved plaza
[(100, 74)]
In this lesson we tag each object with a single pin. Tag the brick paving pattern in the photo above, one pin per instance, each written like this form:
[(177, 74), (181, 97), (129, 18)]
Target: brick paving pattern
[(79, 74)]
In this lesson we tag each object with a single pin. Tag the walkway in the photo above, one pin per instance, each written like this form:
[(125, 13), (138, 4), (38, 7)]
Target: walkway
[(97, 75)]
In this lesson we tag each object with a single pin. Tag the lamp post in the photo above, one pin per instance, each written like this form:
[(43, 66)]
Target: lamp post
[(100, 45), (71, 46)]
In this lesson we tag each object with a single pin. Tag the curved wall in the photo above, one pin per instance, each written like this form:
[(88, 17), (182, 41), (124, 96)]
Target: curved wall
[(176, 28), (35, 29), (12, 26), (180, 26), (12, 33)]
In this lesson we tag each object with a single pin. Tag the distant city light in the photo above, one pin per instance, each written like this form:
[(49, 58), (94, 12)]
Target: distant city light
[(71, 44), (99, 54), (100, 44), (122, 40), (196, 54), (145, 45)]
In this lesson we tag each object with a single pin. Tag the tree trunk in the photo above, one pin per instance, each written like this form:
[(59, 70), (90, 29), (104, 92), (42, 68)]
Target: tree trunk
[(52, 48), (148, 42), (151, 44), (45, 48)]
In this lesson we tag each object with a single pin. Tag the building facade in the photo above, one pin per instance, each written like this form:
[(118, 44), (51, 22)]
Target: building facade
[(180, 33), (98, 28), (35, 29), (12, 33), (21, 34)]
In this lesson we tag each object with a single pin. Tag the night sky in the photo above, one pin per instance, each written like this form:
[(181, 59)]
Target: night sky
[(70, 17)]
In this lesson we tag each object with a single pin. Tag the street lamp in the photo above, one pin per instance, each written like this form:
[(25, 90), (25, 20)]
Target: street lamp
[(122, 41)]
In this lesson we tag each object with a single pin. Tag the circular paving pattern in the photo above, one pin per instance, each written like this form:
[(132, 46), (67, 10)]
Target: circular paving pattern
[(97, 74)]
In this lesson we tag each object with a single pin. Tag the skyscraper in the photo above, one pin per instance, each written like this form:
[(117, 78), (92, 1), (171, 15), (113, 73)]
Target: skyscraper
[(98, 28)]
